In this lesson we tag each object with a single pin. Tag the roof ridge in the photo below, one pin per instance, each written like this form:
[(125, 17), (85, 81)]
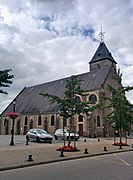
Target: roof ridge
[(65, 78)]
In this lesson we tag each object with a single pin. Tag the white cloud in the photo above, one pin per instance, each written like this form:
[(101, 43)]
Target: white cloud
[(42, 40)]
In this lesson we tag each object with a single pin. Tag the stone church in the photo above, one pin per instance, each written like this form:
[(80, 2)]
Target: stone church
[(36, 112)]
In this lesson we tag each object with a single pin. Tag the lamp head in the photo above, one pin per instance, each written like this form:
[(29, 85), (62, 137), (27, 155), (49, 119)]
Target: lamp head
[(14, 101)]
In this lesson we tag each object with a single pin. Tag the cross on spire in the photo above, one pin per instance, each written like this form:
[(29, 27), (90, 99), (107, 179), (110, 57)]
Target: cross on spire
[(101, 35)]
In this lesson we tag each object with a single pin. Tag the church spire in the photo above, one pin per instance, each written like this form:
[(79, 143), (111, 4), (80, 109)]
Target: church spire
[(102, 56)]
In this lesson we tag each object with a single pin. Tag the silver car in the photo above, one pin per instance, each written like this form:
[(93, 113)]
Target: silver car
[(131, 135), (39, 135), (59, 135)]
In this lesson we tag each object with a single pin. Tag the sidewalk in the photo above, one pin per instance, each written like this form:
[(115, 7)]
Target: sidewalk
[(16, 156)]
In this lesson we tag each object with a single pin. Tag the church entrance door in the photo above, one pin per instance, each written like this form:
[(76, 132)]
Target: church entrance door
[(81, 129)]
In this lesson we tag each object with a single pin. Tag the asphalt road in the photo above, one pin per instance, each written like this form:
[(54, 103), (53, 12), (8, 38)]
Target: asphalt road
[(108, 167), (5, 139), (18, 139)]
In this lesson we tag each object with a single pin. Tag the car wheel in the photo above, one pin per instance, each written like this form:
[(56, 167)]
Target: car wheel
[(50, 142), (38, 139), (56, 138)]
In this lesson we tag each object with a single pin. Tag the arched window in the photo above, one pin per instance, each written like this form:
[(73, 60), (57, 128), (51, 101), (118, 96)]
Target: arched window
[(98, 121), (5, 122), (80, 118), (52, 120), (77, 99), (26, 121), (46, 123), (93, 98), (31, 124), (39, 120)]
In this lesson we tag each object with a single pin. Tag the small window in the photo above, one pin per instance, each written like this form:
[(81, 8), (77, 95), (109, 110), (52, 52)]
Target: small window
[(98, 121), (26, 121), (39, 120), (80, 118), (93, 98), (98, 66), (52, 120)]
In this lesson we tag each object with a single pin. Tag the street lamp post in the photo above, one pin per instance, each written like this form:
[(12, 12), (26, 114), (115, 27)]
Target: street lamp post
[(13, 121)]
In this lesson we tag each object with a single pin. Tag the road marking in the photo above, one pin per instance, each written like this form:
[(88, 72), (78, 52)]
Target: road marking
[(121, 160), (96, 158)]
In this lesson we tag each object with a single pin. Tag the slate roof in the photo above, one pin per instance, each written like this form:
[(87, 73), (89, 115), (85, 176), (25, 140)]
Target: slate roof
[(102, 53), (30, 102)]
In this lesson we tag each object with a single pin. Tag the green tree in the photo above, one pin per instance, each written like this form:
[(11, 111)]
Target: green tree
[(5, 79), (69, 105), (121, 116)]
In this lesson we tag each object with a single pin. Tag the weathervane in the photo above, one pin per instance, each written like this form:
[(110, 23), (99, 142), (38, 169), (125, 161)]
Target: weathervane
[(101, 35)]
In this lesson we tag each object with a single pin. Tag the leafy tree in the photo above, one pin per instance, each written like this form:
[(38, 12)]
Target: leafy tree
[(5, 79), (69, 105), (121, 116)]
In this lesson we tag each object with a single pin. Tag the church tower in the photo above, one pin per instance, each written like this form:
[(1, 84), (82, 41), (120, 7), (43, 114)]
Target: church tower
[(102, 56)]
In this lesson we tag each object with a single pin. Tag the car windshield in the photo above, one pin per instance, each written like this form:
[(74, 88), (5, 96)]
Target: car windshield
[(39, 131), (65, 130)]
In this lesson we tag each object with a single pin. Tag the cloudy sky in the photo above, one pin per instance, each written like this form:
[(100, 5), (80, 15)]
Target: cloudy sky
[(44, 40)]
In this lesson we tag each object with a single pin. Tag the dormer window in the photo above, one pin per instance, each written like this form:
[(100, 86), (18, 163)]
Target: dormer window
[(98, 66)]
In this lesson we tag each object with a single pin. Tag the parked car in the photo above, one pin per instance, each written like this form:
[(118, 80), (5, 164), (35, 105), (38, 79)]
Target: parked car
[(39, 135), (131, 135), (59, 135)]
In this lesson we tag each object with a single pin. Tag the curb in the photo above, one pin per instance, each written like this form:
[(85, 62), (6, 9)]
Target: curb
[(61, 159)]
